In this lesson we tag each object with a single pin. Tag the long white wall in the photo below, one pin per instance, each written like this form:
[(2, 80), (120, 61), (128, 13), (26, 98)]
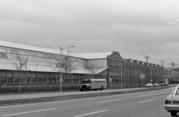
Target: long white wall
[(41, 61)]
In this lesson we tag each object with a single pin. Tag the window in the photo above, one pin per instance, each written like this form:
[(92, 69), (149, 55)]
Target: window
[(177, 91), (85, 82)]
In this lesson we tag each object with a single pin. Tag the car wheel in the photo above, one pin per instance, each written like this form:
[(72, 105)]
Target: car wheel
[(101, 88), (89, 88), (82, 89), (173, 113)]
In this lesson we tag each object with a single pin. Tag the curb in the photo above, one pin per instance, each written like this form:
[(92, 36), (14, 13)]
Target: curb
[(75, 96)]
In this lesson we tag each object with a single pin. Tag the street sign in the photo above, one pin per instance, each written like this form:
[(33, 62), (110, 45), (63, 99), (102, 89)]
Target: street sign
[(61, 80), (110, 80), (142, 76)]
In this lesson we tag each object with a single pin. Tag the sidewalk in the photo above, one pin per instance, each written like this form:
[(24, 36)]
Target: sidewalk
[(54, 96)]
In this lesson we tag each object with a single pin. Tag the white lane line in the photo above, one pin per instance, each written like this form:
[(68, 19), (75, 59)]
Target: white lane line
[(112, 100), (145, 95), (92, 113), (144, 101), (163, 93), (27, 112)]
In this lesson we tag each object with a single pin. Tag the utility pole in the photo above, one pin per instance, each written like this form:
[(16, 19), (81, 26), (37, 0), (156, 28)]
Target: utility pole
[(147, 61), (121, 73), (147, 58), (172, 65), (163, 72), (172, 69)]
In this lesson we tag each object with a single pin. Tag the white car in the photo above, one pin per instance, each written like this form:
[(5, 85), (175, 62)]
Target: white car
[(149, 85), (172, 102), (156, 84)]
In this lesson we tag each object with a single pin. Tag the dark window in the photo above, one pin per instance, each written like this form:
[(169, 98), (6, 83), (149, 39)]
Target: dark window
[(177, 91)]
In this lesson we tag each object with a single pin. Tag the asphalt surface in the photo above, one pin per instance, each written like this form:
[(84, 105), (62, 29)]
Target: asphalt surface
[(140, 104)]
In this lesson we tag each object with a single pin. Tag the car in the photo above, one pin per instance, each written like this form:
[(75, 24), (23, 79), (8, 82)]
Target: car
[(162, 84), (156, 84), (149, 85), (172, 102)]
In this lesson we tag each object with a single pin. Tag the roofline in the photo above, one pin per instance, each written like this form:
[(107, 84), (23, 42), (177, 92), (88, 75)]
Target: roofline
[(20, 46), (27, 47)]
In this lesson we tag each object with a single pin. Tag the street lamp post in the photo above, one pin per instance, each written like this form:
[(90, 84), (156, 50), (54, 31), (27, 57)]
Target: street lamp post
[(163, 70), (173, 67), (66, 47), (121, 73)]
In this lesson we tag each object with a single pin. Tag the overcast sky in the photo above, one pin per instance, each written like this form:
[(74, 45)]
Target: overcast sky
[(135, 28)]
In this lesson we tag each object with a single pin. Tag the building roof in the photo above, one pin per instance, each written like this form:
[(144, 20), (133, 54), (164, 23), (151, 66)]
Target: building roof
[(27, 47), (82, 61), (97, 55)]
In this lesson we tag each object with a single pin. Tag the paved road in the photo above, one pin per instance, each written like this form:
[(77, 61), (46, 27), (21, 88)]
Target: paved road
[(140, 104)]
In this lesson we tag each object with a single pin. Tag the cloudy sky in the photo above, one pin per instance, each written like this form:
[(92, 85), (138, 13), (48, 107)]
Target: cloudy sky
[(135, 28)]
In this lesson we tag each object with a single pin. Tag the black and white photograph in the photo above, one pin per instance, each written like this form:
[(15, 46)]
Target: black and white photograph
[(89, 58)]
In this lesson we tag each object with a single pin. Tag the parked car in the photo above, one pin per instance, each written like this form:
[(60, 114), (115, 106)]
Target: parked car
[(149, 85), (162, 84), (172, 102), (156, 84)]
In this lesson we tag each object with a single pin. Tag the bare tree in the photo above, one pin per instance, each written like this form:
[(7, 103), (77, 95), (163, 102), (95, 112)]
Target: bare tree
[(91, 68), (21, 65), (21, 62), (64, 64)]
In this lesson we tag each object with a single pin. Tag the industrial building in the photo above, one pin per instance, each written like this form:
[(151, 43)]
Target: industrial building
[(25, 67)]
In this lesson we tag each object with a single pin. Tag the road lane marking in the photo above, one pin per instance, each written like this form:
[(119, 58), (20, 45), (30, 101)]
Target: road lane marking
[(154, 94), (92, 113), (163, 93), (27, 112), (145, 95), (144, 101), (112, 100)]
